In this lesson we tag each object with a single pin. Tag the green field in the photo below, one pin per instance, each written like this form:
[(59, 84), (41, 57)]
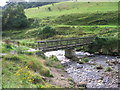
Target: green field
[(64, 8), (76, 13)]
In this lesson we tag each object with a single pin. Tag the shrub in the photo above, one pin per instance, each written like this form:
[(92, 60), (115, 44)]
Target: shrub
[(104, 46), (38, 79), (25, 74), (47, 32), (6, 48)]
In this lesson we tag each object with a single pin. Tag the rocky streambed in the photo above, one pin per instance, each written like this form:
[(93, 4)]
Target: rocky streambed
[(94, 74)]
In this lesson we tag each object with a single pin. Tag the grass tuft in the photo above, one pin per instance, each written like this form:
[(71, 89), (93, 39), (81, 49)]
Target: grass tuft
[(54, 62)]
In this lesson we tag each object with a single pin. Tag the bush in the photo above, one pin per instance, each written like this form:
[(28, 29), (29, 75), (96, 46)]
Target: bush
[(25, 74), (6, 48), (38, 79), (47, 32), (105, 46)]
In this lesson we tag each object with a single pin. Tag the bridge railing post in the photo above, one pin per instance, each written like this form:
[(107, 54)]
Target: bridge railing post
[(56, 44), (66, 43), (76, 40), (60, 43), (45, 45), (38, 45)]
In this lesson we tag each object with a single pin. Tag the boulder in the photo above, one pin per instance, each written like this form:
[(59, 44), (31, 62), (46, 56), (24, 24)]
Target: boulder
[(114, 61), (99, 67), (92, 62), (79, 67), (82, 84), (91, 55)]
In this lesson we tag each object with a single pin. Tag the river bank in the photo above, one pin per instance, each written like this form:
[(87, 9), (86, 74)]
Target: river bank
[(88, 73)]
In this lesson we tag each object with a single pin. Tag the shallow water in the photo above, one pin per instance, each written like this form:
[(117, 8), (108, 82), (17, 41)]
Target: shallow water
[(87, 72)]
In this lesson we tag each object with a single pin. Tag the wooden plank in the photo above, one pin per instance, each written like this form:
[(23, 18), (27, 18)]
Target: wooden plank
[(57, 45), (63, 39)]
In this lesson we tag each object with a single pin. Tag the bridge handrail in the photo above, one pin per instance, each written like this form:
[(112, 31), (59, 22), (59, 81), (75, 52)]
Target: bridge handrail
[(56, 40)]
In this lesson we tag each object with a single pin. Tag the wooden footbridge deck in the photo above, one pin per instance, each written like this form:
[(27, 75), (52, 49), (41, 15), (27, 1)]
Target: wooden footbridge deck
[(50, 45)]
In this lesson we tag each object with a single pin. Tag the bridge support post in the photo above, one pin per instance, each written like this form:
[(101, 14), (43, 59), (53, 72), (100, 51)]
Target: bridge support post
[(70, 54)]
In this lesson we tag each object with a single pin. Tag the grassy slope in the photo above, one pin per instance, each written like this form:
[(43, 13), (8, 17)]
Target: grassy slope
[(17, 75), (69, 17), (26, 70), (69, 8)]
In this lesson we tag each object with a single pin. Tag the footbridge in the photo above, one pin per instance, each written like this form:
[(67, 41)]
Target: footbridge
[(51, 45), (68, 44)]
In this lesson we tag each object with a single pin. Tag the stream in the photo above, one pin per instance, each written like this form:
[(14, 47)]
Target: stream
[(87, 72)]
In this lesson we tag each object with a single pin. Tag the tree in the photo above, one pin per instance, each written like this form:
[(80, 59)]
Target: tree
[(28, 4), (14, 17), (49, 9)]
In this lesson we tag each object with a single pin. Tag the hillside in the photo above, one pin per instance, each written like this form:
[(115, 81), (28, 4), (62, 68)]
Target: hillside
[(64, 8), (71, 19), (76, 13)]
